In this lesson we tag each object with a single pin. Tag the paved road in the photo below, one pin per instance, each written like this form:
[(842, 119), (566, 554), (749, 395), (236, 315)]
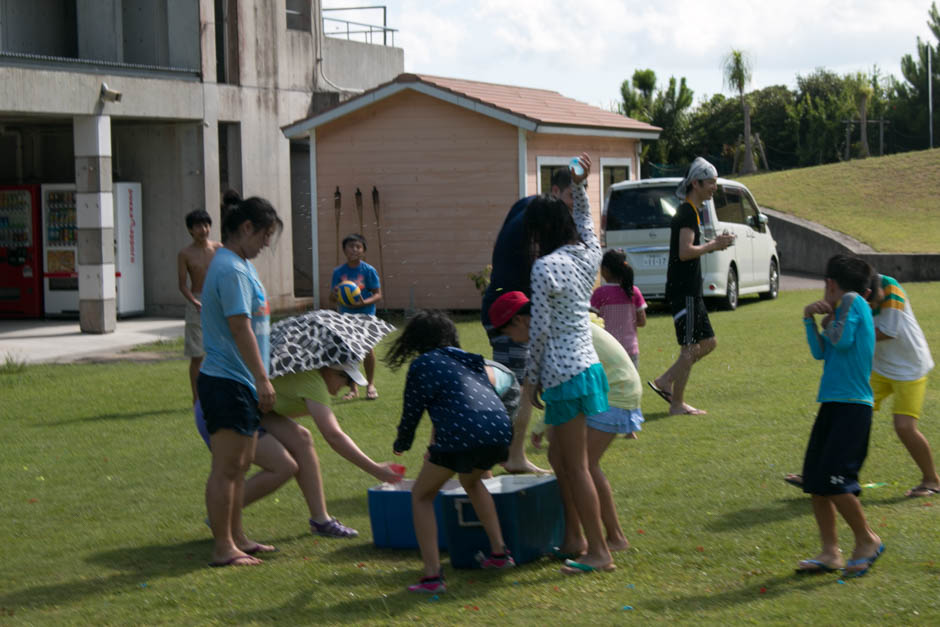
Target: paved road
[(792, 282)]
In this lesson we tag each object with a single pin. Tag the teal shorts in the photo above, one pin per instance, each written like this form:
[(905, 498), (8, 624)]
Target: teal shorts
[(586, 394)]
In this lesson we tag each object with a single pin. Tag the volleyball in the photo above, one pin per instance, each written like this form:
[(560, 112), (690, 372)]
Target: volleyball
[(347, 293)]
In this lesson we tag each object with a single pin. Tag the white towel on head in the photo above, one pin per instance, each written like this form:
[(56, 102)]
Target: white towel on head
[(699, 170)]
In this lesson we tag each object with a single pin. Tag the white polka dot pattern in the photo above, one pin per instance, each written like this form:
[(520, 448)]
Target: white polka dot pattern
[(560, 344), (323, 338)]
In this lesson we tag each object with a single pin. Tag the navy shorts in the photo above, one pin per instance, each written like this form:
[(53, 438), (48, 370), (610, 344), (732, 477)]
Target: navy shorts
[(690, 319), (837, 449), (482, 457), (510, 354), (228, 404)]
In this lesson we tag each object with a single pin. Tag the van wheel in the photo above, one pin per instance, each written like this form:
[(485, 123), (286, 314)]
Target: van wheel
[(774, 281), (730, 300)]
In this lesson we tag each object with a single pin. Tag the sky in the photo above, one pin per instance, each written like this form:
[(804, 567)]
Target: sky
[(586, 49)]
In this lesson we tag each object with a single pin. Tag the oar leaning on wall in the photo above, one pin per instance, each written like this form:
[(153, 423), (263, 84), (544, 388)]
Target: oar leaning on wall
[(378, 230)]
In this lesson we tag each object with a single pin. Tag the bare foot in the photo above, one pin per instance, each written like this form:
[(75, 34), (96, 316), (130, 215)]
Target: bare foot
[(575, 548), (526, 467), (371, 393), (588, 563), (821, 562), (253, 548), (237, 558), (631, 436), (863, 558), (351, 395), (618, 545), (686, 410)]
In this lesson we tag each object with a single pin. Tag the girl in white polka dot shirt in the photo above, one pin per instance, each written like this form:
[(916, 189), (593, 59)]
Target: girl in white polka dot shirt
[(562, 360)]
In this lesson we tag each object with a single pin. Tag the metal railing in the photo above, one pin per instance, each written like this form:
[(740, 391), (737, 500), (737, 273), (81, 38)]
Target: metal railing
[(349, 29)]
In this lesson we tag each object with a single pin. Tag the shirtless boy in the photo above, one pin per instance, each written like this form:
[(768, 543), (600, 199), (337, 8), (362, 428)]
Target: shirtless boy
[(193, 261)]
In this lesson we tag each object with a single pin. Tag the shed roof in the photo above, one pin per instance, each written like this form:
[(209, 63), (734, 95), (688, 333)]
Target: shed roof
[(536, 110)]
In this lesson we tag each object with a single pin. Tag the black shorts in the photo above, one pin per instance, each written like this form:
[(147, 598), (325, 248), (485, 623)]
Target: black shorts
[(837, 449), (483, 457), (690, 319), (228, 404)]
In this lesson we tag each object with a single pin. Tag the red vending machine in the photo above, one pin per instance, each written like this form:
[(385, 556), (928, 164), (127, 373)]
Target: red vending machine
[(20, 252)]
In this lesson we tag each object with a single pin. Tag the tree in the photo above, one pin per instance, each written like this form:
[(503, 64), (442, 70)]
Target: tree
[(665, 108), (737, 73), (908, 111), (638, 95), (823, 102), (669, 113)]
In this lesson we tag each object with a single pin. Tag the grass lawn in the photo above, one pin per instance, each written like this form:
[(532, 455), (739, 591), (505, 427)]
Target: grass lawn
[(861, 197), (102, 516)]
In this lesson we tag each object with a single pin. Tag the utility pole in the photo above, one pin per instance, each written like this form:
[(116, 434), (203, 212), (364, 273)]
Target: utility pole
[(930, 92)]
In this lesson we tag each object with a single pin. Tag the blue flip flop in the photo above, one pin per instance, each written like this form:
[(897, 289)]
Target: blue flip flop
[(868, 562), (820, 568), (572, 567)]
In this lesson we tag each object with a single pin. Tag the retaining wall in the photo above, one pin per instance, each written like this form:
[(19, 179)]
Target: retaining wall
[(805, 246)]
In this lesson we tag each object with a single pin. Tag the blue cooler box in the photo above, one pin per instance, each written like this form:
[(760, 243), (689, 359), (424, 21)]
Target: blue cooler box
[(530, 515), (390, 515)]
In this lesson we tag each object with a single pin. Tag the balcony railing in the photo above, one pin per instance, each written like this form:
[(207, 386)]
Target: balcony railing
[(359, 31)]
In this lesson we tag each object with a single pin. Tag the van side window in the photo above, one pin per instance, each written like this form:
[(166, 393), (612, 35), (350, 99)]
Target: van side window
[(631, 209), (751, 214), (728, 207)]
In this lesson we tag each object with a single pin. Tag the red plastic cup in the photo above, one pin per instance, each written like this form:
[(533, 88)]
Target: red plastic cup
[(397, 468)]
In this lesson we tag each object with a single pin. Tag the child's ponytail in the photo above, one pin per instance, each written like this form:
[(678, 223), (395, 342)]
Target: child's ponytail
[(615, 261)]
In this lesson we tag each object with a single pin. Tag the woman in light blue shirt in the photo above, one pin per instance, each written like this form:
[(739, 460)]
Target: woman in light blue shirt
[(233, 383)]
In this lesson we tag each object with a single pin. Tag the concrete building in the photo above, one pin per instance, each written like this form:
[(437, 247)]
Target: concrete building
[(197, 91), (445, 159)]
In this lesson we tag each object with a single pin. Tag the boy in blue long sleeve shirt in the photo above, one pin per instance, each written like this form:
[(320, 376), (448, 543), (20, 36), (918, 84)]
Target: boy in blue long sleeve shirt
[(838, 444)]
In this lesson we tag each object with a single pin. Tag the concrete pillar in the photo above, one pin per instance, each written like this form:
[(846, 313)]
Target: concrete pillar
[(95, 221)]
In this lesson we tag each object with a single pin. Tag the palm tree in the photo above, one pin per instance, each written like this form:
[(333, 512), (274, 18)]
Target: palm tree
[(737, 71)]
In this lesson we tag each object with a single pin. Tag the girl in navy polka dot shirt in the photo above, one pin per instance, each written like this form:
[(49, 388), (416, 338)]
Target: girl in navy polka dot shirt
[(471, 432)]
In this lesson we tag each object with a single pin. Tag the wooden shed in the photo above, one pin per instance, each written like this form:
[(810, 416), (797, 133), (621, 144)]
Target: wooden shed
[(447, 157)]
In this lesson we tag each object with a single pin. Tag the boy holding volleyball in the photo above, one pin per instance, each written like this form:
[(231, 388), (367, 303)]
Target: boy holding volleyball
[(364, 276)]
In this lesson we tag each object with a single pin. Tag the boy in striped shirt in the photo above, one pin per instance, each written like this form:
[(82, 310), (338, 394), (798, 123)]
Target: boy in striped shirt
[(902, 361)]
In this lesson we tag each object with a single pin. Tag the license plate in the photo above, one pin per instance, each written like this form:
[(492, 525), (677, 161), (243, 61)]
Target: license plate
[(655, 260)]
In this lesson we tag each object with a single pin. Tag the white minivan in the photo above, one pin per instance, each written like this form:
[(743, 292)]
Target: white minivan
[(636, 218)]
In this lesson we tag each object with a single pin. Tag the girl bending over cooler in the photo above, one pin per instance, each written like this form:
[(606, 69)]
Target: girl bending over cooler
[(472, 432)]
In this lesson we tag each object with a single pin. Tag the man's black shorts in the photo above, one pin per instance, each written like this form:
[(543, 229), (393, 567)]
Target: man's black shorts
[(837, 448), (228, 404), (690, 319)]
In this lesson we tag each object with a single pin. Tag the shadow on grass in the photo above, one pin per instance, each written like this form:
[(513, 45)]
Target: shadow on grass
[(356, 610), (752, 592), (657, 415), (125, 416), (136, 564), (468, 589), (782, 509)]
